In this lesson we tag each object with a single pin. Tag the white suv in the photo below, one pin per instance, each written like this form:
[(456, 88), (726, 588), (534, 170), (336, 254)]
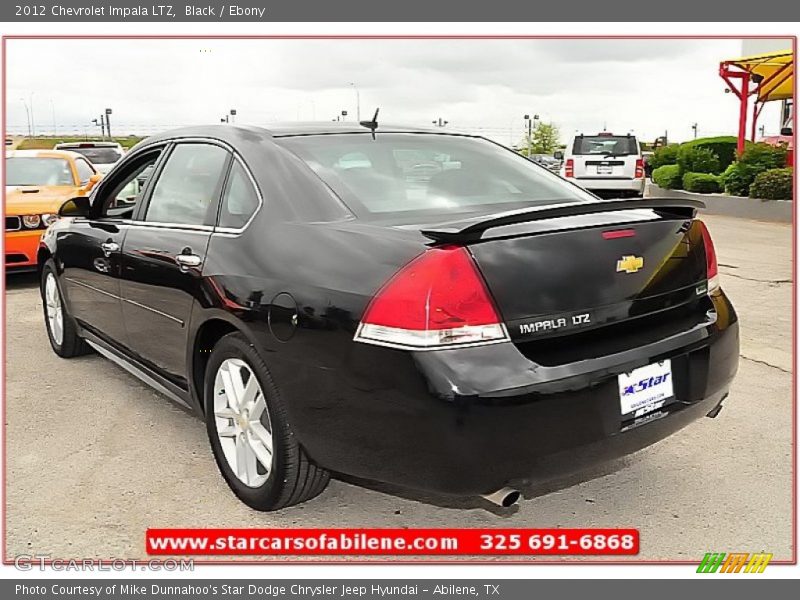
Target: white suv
[(606, 164), (103, 155)]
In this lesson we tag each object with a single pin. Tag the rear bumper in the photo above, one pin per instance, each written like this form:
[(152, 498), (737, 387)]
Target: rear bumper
[(611, 184), (473, 420), (21, 249)]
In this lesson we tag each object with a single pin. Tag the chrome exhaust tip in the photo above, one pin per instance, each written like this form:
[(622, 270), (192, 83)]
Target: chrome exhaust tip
[(505, 497)]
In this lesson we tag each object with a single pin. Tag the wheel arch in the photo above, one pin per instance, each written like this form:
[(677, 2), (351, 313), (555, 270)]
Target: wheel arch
[(42, 255), (206, 335)]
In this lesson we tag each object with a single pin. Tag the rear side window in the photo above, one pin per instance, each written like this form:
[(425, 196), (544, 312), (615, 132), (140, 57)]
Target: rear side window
[(187, 188), (100, 156), (84, 171), (239, 201), (430, 174), (605, 145)]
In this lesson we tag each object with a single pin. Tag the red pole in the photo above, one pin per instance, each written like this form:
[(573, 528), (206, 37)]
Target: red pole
[(743, 112)]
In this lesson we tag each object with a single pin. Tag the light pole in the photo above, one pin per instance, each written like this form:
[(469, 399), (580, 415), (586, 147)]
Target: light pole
[(694, 129), (53, 110), (440, 122), (101, 122), (358, 101), (108, 122), (33, 122), (28, 113), (530, 123), (761, 130)]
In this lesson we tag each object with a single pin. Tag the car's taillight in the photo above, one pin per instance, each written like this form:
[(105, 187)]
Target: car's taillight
[(569, 168), (437, 300), (639, 169), (712, 270)]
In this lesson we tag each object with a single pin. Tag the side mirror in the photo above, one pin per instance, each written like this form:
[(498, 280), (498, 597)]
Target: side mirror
[(558, 155), (786, 131), (75, 207), (92, 182)]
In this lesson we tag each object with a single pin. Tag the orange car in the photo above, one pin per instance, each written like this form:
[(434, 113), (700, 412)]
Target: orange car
[(38, 182)]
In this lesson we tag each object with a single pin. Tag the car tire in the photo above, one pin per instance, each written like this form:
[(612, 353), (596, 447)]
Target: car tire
[(62, 330), (238, 423)]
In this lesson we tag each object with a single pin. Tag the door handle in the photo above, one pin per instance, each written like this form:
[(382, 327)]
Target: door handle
[(109, 247), (187, 261)]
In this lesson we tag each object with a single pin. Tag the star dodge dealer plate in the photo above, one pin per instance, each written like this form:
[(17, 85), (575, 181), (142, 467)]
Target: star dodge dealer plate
[(645, 389)]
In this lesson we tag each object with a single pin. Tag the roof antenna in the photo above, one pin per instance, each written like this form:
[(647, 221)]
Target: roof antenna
[(371, 125)]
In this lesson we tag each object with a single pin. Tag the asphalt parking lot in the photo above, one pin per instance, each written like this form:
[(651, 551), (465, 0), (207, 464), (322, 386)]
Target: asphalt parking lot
[(94, 457)]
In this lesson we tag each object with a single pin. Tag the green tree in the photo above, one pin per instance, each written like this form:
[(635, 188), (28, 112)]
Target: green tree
[(544, 140)]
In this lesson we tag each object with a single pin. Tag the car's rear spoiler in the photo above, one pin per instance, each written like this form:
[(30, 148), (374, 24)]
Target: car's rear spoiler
[(472, 229)]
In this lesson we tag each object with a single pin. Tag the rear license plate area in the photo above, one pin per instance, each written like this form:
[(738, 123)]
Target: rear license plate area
[(645, 390)]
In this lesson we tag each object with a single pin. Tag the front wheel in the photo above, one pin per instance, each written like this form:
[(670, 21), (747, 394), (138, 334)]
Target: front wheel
[(62, 331), (250, 436)]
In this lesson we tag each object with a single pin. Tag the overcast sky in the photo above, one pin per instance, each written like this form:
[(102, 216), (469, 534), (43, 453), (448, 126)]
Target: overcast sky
[(645, 86)]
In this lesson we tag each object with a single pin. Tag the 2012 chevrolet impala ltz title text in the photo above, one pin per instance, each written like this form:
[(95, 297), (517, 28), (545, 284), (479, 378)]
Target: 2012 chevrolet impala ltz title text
[(416, 307)]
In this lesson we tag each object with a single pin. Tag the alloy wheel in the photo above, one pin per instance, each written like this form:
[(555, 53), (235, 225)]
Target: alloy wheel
[(242, 422), (55, 314)]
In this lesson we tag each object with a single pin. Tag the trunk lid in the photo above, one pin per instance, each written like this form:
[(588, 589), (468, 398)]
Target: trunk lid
[(574, 274)]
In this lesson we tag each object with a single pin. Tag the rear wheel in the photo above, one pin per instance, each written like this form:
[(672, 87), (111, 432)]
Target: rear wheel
[(250, 436), (62, 331)]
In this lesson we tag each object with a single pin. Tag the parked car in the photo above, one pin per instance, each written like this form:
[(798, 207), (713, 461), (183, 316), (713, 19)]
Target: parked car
[(606, 164), (38, 182), (103, 155), (469, 334), (547, 161)]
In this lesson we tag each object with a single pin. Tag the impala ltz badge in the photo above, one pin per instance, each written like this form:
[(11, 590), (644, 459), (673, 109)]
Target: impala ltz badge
[(629, 264), (555, 324)]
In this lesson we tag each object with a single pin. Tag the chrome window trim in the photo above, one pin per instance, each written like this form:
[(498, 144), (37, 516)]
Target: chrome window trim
[(162, 225), (238, 230)]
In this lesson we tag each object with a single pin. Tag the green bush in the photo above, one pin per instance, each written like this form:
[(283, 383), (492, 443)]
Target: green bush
[(764, 156), (701, 183), (756, 158), (773, 184), (737, 178), (665, 155), (723, 146), (694, 159), (668, 177)]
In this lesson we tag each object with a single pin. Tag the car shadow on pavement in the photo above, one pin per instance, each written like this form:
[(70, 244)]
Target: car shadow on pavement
[(529, 492), (22, 281)]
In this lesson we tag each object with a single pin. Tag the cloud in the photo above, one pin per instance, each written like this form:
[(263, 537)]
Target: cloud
[(478, 85)]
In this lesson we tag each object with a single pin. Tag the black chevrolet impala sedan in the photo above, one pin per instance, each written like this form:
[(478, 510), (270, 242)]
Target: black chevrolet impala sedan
[(415, 307)]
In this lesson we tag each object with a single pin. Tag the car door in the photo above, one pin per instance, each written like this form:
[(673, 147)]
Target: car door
[(164, 251), (89, 254)]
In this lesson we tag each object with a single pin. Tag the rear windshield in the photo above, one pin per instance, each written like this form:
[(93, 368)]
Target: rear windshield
[(99, 156), (404, 174), (614, 145), (38, 171)]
